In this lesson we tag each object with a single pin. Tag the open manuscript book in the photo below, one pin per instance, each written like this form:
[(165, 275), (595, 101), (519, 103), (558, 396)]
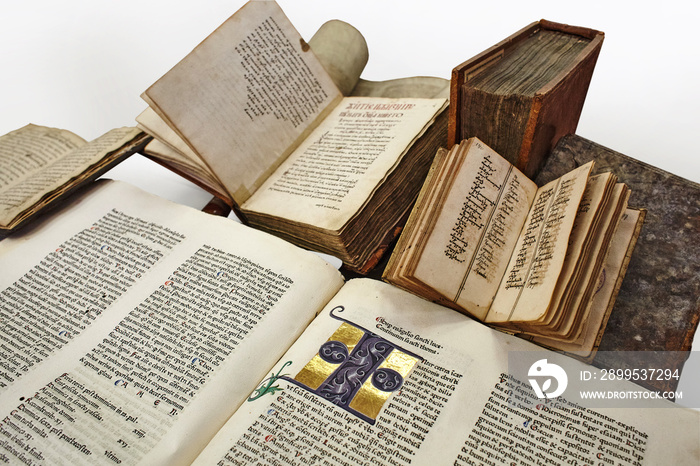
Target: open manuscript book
[(40, 166), (258, 117), (544, 262), (139, 331)]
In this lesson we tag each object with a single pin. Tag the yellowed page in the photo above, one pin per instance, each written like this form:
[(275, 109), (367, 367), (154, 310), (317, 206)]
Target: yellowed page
[(165, 153), (52, 167), (334, 171), (168, 147), (135, 326), (601, 242), (596, 193), (409, 246), (449, 407), (342, 51), (608, 285), (340, 48), (531, 276), (425, 87), (468, 249), (196, 172), (150, 122), (247, 93), (26, 150)]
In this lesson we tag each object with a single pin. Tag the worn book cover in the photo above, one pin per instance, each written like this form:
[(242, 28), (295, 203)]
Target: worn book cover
[(524, 93), (657, 305)]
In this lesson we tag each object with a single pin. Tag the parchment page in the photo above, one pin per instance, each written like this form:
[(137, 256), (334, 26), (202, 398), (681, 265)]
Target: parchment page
[(425, 87), (408, 249), (448, 404), (527, 288), (150, 122), (342, 51), (608, 285), (175, 161), (334, 171), (587, 281), (26, 151), (579, 250), (469, 247), (340, 48), (27, 190), (168, 147), (248, 93), (133, 327)]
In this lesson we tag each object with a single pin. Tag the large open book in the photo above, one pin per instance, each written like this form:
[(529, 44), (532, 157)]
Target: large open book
[(485, 240), (39, 166), (258, 116), (140, 331)]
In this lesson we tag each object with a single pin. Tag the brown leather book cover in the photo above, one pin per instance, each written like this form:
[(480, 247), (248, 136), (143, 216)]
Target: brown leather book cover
[(525, 123)]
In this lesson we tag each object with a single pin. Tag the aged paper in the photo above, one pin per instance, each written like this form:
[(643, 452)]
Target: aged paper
[(42, 160), (452, 399), (477, 224), (131, 325), (250, 92), (27, 150), (334, 171), (608, 285), (534, 268), (149, 121)]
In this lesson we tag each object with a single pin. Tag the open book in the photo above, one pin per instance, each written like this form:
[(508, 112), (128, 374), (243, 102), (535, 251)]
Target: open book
[(140, 331), (41, 165), (258, 117), (485, 240)]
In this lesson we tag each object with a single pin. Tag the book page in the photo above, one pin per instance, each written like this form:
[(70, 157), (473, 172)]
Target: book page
[(608, 285), (407, 249), (150, 122), (248, 93), (133, 327), (531, 276), (57, 167), (478, 222), (197, 173), (342, 51), (435, 388), (425, 87), (583, 285), (334, 171), (26, 151), (580, 251)]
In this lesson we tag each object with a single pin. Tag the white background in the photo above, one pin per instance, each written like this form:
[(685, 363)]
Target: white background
[(82, 64)]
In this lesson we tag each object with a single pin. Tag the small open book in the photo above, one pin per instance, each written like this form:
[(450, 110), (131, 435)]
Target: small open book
[(41, 166), (286, 133), (545, 262)]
